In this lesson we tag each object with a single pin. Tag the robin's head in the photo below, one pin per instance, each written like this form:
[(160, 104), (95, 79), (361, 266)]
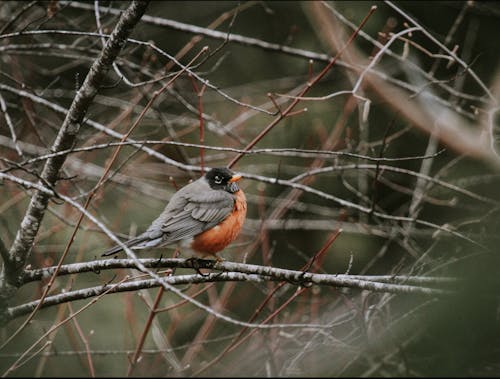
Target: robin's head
[(221, 178)]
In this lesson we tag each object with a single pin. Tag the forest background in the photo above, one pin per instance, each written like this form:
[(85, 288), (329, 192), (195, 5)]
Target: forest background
[(368, 137)]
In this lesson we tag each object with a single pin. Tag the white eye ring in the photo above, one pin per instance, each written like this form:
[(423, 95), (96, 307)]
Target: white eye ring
[(217, 179)]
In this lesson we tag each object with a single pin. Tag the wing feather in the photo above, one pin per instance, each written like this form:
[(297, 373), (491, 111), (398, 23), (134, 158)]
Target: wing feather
[(191, 213), (191, 210)]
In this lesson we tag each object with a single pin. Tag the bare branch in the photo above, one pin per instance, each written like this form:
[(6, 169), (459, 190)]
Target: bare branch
[(21, 247), (231, 272), (8, 120)]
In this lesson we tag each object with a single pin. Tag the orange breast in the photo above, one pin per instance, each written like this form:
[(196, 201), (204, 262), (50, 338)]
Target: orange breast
[(213, 240)]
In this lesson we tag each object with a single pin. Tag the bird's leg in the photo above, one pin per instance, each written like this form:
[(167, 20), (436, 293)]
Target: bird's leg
[(157, 263), (195, 265)]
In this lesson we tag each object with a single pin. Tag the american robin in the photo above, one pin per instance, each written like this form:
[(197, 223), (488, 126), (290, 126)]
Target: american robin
[(205, 215)]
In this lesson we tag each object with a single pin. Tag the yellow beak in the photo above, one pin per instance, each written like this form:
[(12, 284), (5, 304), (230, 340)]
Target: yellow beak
[(235, 178)]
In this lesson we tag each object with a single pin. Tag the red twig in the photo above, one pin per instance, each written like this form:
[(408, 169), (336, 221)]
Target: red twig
[(148, 324), (92, 194), (308, 86), (85, 341), (237, 341)]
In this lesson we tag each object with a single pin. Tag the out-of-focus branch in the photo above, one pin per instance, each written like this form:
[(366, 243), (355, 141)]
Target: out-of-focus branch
[(444, 48), (288, 111), (301, 53), (21, 247), (98, 126), (448, 126), (8, 120), (4, 252)]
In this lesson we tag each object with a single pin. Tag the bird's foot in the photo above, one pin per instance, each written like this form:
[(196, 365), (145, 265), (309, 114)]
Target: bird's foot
[(194, 262)]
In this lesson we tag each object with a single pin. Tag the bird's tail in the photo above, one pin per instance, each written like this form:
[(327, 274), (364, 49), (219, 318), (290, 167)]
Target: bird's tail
[(131, 242)]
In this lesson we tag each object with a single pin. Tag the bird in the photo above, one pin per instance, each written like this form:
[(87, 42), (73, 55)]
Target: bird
[(206, 215)]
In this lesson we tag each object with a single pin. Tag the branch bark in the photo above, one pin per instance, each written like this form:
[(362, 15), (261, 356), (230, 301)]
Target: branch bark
[(10, 277), (230, 271)]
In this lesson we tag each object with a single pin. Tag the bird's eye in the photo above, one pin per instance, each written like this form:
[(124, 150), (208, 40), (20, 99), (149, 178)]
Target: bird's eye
[(217, 179)]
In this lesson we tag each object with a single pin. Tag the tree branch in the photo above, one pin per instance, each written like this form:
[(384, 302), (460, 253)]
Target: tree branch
[(21, 247), (279, 274), (231, 271)]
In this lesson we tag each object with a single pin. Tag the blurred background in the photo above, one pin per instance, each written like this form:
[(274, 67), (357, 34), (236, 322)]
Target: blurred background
[(407, 167)]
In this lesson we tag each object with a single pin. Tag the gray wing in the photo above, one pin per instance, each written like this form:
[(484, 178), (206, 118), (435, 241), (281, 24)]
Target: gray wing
[(190, 213), (191, 210)]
